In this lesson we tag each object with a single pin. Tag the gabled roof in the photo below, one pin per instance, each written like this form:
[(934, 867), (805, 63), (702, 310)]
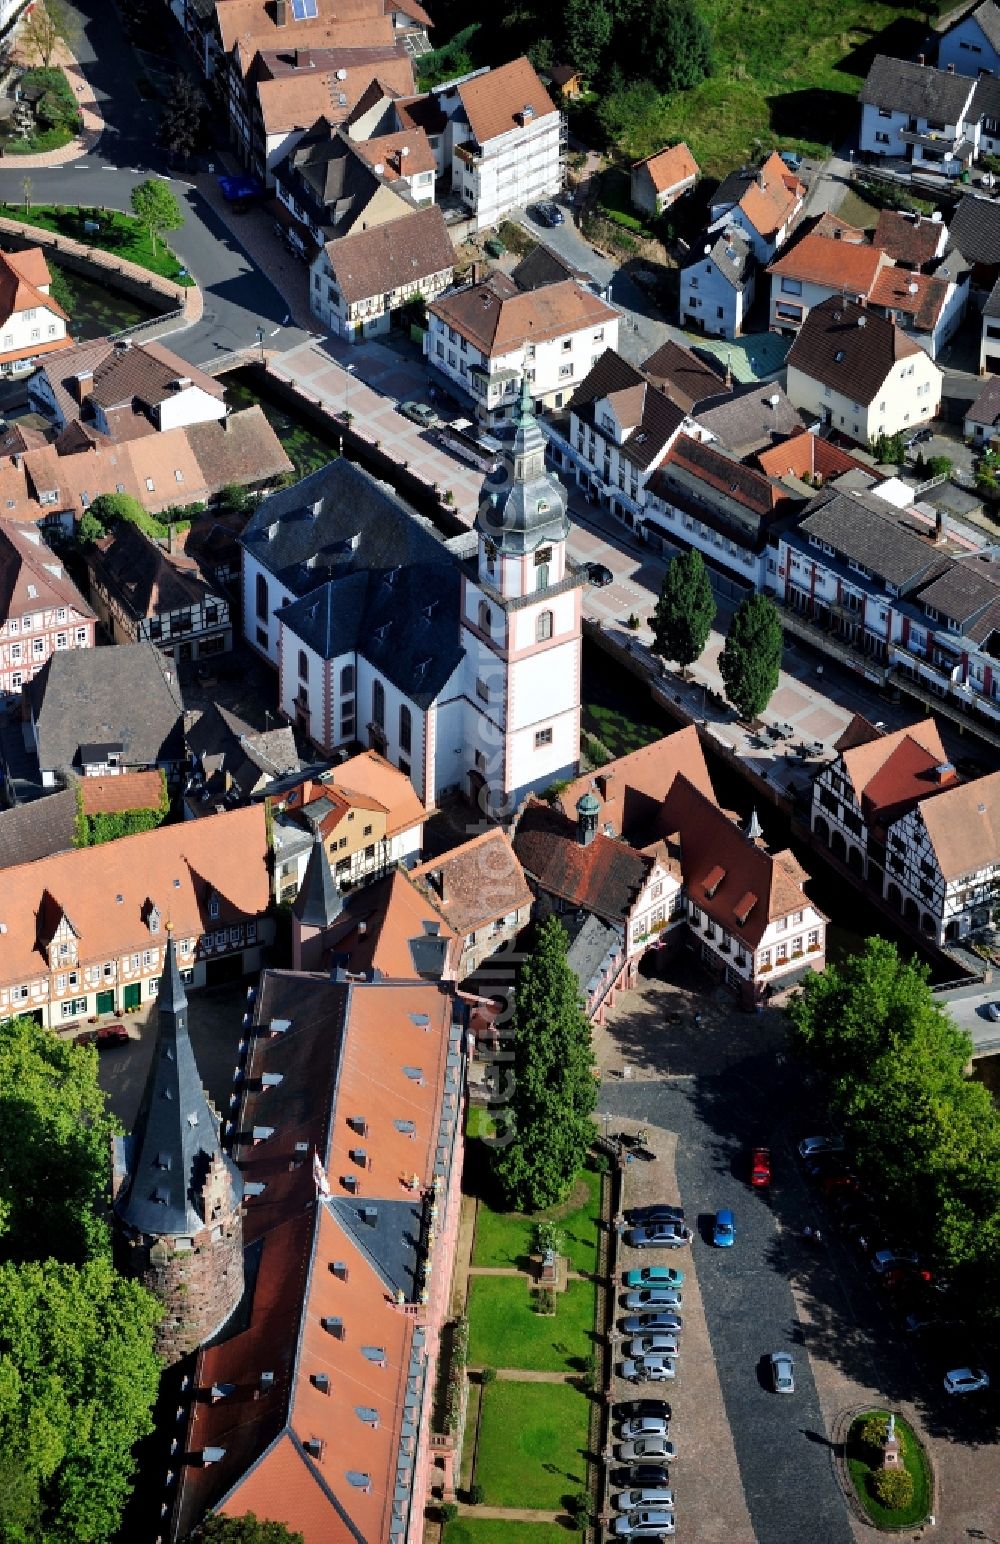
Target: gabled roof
[(146, 580), (392, 927), (986, 408), (107, 696), (545, 266), (726, 874), (632, 789), (180, 868), (916, 295), (831, 263), (333, 174), (804, 455), (364, 781), (654, 417), (684, 377), (332, 86), (32, 578), (475, 883), (750, 418), (494, 102), (912, 239), (865, 750), (771, 196), (910, 773), (393, 256), (963, 824), (964, 587), (123, 374), (401, 154), (849, 348), (863, 527), (604, 877), (24, 278), (722, 473), (975, 230), (667, 168), (902, 86), (987, 18), (732, 255), (498, 318)]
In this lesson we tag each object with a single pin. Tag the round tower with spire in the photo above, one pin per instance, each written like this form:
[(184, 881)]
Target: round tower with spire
[(177, 1193), (521, 628)]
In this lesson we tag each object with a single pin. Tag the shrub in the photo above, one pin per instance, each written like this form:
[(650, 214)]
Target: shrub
[(477, 1495), (488, 1376), (578, 1507), (892, 1488), (547, 1236), (545, 1302), (871, 1430), (447, 1512)]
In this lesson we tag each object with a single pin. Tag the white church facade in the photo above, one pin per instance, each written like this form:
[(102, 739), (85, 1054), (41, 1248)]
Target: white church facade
[(463, 672)]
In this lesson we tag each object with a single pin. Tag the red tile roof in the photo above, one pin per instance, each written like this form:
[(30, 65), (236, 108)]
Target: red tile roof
[(773, 196), (864, 754), (723, 473), (905, 778), (669, 167), (632, 789), (908, 238), (604, 877), (834, 264), (915, 294), (476, 883), (111, 795), (806, 455), (494, 102)]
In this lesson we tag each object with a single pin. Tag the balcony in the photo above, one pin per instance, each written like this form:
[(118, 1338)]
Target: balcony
[(470, 153)]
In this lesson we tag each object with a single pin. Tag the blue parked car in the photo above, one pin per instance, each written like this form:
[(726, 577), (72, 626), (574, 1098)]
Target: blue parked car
[(724, 1232)]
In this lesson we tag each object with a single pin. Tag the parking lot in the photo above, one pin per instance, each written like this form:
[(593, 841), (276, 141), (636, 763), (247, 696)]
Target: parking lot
[(709, 1082)]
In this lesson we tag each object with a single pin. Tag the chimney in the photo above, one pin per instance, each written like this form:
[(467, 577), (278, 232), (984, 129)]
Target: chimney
[(761, 179), (602, 783), (940, 526), (280, 14), (944, 772), (477, 273), (438, 881), (303, 59), (83, 385)]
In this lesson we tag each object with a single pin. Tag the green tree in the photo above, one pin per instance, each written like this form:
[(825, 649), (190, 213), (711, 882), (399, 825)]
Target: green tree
[(685, 610), (554, 1088), (587, 30), (750, 662), (60, 289), (247, 1529), (633, 116), (39, 34), (182, 116), (89, 529), (157, 208), (108, 508), (55, 1137), (78, 1378), (674, 45)]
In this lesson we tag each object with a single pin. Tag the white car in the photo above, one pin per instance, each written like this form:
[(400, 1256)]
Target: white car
[(652, 1345), (649, 1369), (782, 1373), (966, 1380), (647, 1450), (629, 1500), (812, 1147)]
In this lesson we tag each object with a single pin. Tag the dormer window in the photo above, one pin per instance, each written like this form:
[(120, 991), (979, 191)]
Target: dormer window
[(213, 907), (153, 919)]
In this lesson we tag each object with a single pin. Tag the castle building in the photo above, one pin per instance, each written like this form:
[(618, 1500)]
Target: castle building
[(177, 1193)]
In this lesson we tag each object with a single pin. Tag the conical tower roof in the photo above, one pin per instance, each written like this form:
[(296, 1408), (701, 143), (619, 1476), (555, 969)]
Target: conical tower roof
[(522, 506), (318, 902), (176, 1138)]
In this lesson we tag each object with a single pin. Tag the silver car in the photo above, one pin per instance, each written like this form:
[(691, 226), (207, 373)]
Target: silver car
[(782, 1372), (652, 1299), (649, 1369), (644, 1524), (640, 1427), (649, 1450), (653, 1324), (630, 1500), (653, 1345)]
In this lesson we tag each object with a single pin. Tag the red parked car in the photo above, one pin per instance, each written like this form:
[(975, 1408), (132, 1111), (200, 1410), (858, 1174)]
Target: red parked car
[(107, 1035), (760, 1167)]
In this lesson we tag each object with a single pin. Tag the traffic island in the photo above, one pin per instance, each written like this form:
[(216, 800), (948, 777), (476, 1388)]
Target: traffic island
[(888, 1470)]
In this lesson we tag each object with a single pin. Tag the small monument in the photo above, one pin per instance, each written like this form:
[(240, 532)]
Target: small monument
[(890, 1447)]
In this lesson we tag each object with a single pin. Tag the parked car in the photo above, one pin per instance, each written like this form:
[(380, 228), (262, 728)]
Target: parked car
[(830, 1143), (629, 1408), (654, 1276), (918, 438), (630, 1500), (993, 1012), (600, 575), (548, 214), (782, 1372), (724, 1229), (644, 1428), (652, 1324), (654, 1298), (839, 1180), (107, 1036), (648, 1476), (659, 1235), (884, 1260), (649, 1369), (760, 1167), (659, 1212), (644, 1525), (966, 1380), (652, 1345), (902, 1277), (420, 413), (647, 1448)]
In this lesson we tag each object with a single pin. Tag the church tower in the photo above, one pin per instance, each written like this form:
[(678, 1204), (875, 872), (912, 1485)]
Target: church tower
[(521, 630), (177, 1194)]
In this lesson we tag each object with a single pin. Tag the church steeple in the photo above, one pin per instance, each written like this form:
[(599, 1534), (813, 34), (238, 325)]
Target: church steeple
[(177, 1191), (522, 506)]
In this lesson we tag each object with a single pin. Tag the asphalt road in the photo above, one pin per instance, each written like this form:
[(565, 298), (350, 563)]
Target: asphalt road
[(780, 1442)]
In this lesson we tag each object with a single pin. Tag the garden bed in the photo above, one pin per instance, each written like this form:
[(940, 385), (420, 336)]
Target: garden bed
[(492, 1530), (505, 1330), (864, 1462), (532, 1445), (121, 234)]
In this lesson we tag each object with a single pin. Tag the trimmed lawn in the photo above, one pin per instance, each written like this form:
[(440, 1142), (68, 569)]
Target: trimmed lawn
[(915, 1463), (120, 233), (486, 1530), (505, 1331), (505, 1238), (532, 1445), (786, 73)]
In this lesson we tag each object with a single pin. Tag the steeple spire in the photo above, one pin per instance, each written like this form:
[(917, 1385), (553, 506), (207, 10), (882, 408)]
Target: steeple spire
[(318, 902), (176, 1176), (523, 506)]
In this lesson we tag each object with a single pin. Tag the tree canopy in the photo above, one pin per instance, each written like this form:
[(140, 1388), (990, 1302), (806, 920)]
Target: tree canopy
[(248, 1529), (157, 208), (892, 1065), (554, 1090), (750, 662), (78, 1375), (676, 48), (685, 610), (181, 119)]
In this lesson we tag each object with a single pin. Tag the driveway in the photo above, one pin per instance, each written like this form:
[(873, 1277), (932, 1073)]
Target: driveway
[(717, 1080)]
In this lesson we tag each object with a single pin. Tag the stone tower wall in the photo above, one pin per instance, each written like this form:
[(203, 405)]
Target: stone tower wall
[(198, 1287)]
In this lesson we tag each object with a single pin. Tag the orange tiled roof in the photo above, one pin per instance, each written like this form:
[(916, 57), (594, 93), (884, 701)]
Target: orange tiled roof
[(476, 883), (380, 925), (295, 101), (32, 577), (905, 778), (915, 294), (24, 276), (104, 890), (111, 795), (862, 759), (769, 207), (669, 167), (963, 824), (495, 101), (632, 789), (806, 455), (835, 264), (404, 154)]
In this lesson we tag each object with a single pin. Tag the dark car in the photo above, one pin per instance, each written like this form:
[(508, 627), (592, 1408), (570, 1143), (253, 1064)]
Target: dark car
[(632, 1407), (548, 214), (599, 575), (919, 438), (657, 1213), (644, 1477), (658, 1235)]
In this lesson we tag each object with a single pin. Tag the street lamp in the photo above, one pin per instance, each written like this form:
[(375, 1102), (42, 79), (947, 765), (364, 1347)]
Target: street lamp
[(348, 372), (260, 343)]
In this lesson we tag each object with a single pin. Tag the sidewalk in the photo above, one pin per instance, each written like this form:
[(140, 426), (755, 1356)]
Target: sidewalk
[(93, 122)]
